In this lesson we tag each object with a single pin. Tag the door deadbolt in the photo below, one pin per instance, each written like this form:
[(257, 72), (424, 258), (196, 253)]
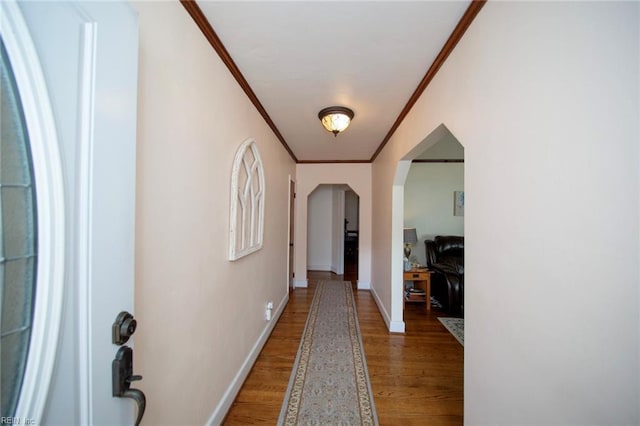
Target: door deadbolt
[(123, 328)]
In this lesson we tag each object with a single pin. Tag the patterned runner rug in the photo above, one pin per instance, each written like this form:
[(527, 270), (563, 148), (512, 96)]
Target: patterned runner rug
[(329, 383), (455, 327)]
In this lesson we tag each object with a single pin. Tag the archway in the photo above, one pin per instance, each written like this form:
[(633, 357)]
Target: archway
[(333, 230), (438, 136), (358, 178)]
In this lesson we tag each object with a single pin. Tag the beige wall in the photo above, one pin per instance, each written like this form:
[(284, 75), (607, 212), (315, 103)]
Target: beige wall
[(547, 109), (544, 98), (308, 177), (201, 317)]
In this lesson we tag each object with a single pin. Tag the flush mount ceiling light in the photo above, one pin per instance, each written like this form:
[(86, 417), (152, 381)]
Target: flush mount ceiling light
[(335, 119)]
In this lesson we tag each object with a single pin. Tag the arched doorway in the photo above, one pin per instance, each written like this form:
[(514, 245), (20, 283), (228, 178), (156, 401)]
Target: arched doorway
[(439, 135), (333, 230)]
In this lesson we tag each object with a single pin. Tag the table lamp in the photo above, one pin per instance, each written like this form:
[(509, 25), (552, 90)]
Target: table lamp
[(410, 238)]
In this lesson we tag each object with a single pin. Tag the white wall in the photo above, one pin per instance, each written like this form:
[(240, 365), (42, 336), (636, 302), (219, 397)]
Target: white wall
[(544, 97), (447, 148), (201, 317), (325, 229), (320, 229), (428, 202), (351, 207), (358, 177), (337, 242)]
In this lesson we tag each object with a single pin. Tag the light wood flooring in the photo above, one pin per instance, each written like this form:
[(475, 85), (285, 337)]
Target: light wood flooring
[(416, 377)]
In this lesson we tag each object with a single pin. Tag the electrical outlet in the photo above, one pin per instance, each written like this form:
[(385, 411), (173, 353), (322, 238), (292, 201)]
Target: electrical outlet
[(268, 310)]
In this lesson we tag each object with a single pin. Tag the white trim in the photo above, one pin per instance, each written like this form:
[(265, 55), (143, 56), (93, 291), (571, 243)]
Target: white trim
[(290, 218), (397, 267), (51, 211), (339, 238), (255, 176), (300, 283), (230, 394), (326, 268), (396, 327), (364, 285), (392, 326), (85, 215)]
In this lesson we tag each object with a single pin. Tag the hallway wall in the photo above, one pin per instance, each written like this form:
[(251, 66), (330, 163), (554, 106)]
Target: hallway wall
[(545, 99), (358, 177), (320, 223), (201, 316)]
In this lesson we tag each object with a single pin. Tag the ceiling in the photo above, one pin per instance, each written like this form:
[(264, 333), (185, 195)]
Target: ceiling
[(298, 57)]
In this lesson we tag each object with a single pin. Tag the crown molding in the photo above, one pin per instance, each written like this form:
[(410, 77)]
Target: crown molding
[(201, 21), (331, 161), (454, 38)]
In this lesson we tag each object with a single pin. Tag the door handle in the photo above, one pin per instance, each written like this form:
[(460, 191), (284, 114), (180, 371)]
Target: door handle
[(141, 401), (122, 376)]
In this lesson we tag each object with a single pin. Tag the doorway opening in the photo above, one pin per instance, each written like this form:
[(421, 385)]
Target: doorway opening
[(426, 183), (400, 219), (434, 207), (351, 234), (333, 230)]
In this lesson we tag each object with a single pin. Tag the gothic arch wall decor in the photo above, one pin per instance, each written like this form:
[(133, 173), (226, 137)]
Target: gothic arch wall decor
[(246, 224)]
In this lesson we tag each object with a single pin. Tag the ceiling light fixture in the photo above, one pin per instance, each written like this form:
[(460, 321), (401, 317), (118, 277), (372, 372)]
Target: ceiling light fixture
[(335, 119)]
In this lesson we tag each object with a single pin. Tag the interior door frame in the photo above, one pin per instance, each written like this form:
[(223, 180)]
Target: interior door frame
[(338, 237), (290, 239)]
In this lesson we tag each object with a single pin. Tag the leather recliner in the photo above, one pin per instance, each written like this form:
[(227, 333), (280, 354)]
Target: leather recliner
[(445, 256)]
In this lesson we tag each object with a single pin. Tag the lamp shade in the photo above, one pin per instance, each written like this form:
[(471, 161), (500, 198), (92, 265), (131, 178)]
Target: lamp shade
[(410, 236), (335, 119)]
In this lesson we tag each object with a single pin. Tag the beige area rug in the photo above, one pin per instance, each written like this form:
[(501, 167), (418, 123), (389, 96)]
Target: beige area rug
[(455, 327), (329, 383)]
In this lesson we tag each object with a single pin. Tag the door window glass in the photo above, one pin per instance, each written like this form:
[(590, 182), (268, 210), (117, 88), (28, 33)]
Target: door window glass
[(18, 239)]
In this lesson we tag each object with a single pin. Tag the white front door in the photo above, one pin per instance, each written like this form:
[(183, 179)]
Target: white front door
[(87, 52)]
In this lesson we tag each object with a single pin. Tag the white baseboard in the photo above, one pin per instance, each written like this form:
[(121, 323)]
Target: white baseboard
[(232, 391), (383, 311), (396, 327), (319, 268), (364, 285), (300, 283), (393, 326)]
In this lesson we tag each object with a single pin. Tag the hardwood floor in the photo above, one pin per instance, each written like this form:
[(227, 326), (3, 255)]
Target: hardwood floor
[(416, 377)]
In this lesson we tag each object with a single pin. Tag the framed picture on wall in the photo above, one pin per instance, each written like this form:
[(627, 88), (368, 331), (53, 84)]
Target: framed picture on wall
[(458, 203)]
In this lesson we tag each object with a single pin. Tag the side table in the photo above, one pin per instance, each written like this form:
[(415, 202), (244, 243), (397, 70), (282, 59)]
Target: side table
[(421, 279)]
